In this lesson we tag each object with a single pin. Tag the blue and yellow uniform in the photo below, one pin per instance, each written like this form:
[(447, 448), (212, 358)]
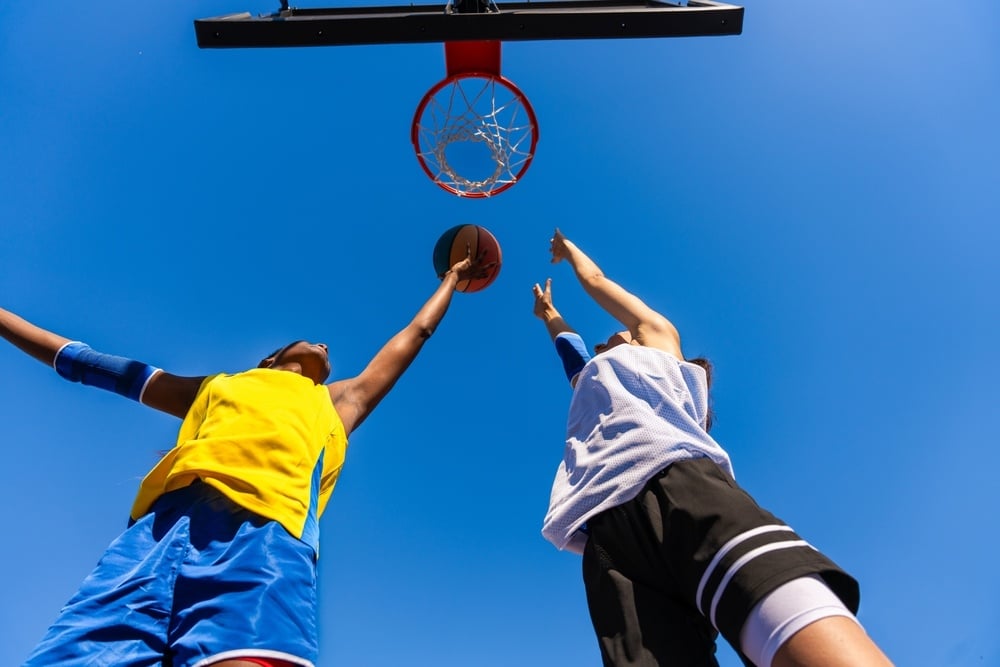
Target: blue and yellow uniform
[(269, 440), (219, 559)]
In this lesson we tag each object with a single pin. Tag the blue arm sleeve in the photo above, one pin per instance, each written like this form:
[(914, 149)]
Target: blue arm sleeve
[(77, 362), (573, 353)]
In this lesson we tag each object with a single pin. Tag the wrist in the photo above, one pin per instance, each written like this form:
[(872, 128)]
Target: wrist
[(549, 314)]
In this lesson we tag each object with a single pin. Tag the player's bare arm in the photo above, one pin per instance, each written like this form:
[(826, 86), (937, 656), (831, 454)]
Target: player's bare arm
[(355, 398), (570, 347), (160, 390), (546, 311), (647, 326), (29, 338), (171, 393)]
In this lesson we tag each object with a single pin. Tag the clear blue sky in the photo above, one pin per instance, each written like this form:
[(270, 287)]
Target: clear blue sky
[(814, 203)]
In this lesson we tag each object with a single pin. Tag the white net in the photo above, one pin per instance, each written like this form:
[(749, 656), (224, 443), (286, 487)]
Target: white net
[(475, 136)]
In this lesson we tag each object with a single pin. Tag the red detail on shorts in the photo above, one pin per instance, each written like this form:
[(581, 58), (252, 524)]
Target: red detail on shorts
[(268, 662)]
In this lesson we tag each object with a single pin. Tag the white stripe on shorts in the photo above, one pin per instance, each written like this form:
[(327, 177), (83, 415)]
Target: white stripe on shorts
[(726, 548), (743, 560)]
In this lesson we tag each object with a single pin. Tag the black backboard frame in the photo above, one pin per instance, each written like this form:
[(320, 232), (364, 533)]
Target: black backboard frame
[(505, 21)]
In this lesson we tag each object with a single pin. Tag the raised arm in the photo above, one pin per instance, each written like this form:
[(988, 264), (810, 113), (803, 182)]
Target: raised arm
[(646, 326), (77, 362), (546, 311), (570, 347), (355, 398)]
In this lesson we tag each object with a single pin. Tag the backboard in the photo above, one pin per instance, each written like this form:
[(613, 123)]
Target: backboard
[(470, 20)]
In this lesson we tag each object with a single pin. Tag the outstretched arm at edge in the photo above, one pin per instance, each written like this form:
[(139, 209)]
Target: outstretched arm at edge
[(647, 326), (355, 398), (30, 339), (77, 362)]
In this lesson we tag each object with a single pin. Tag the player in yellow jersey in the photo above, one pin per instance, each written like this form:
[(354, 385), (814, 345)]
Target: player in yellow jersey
[(218, 564)]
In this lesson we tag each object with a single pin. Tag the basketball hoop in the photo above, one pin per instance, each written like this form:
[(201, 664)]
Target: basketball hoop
[(475, 131)]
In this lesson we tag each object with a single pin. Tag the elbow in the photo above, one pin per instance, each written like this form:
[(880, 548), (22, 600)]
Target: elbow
[(423, 331), (592, 278), (661, 326)]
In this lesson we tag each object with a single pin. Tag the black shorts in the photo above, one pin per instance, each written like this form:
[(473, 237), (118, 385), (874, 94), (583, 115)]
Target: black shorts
[(690, 554)]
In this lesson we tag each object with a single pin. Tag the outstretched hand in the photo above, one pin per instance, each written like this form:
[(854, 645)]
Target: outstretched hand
[(472, 268), (543, 299), (559, 246)]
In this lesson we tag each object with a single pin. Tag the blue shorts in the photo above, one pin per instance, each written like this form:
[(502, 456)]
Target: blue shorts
[(197, 580)]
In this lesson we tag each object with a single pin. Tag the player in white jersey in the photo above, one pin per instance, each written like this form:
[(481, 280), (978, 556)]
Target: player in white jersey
[(674, 551)]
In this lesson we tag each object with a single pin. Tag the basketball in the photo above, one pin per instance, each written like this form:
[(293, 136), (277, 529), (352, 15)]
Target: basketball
[(452, 247)]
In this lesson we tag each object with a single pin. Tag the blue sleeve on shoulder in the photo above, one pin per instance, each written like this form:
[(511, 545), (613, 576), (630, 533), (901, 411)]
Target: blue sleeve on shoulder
[(573, 353), (77, 362)]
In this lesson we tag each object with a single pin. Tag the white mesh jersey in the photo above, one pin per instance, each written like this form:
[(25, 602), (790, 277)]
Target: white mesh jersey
[(635, 410)]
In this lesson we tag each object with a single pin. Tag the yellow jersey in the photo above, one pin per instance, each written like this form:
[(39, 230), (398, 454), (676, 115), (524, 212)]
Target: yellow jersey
[(269, 440)]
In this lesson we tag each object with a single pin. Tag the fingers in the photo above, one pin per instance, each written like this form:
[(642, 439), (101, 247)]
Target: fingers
[(467, 261), (545, 294), (557, 246), (480, 255)]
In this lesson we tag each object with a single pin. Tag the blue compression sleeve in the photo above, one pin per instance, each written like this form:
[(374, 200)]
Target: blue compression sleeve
[(573, 353), (77, 362)]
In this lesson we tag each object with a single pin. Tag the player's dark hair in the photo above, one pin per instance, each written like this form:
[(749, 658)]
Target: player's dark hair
[(707, 365), (270, 356), (277, 352)]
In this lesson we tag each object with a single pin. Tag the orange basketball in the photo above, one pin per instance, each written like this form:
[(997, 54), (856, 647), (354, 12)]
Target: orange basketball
[(452, 247)]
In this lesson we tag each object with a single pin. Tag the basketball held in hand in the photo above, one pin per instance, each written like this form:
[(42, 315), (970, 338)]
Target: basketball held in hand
[(457, 242)]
